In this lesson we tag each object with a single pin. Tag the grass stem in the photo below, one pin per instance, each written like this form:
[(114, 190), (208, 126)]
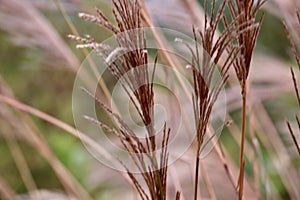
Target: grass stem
[(242, 159), (197, 172)]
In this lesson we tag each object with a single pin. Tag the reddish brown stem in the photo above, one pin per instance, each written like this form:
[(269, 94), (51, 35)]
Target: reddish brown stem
[(197, 172), (242, 159)]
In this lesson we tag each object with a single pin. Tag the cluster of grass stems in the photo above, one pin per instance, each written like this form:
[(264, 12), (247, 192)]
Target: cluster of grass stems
[(231, 48)]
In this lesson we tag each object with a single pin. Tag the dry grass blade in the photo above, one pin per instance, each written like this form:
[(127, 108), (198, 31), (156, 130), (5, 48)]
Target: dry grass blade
[(293, 45), (293, 135), (162, 44), (294, 50), (29, 28), (75, 36), (264, 124), (21, 163), (65, 177), (28, 131), (286, 10), (224, 161), (196, 13), (296, 87), (16, 151), (208, 182), (54, 121), (298, 122), (6, 192)]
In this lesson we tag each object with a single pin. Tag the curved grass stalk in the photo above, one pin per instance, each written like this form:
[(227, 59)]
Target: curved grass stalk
[(6, 192), (17, 153), (35, 138), (74, 31), (28, 109)]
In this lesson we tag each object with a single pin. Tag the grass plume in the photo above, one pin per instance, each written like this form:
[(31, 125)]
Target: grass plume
[(131, 69), (247, 12), (206, 91)]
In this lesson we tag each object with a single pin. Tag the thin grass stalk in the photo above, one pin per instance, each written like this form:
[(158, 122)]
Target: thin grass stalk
[(74, 31), (177, 196), (31, 133), (6, 192), (175, 179), (21, 164), (221, 154), (264, 124), (28, 109), (242, 142), (295, 85), (293, 135), (39, 34), (70, 184), (197, 173), (160, 41), (236, 132), (254, 147), (16, 152), (196, 12), (296, 57), (208, 183)]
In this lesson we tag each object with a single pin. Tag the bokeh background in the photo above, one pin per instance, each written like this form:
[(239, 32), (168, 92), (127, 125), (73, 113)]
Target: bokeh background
[(38, 65)]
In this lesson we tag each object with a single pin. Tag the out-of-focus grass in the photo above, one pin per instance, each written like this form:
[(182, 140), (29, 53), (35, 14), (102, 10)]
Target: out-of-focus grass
[(50, 90)]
